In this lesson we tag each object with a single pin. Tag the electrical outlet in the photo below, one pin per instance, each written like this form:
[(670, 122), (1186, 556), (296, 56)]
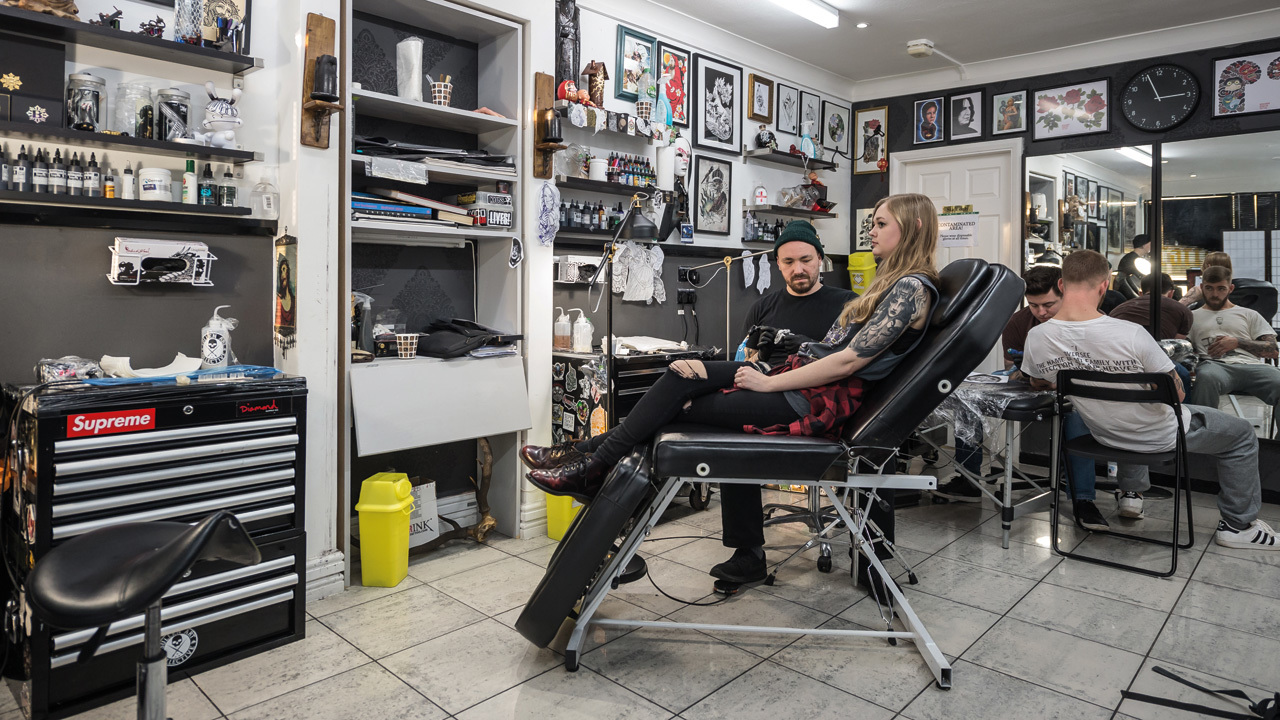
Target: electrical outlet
[(685, 296), (682, 274)]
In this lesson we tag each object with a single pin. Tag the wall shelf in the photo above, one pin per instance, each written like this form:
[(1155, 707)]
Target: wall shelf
[(101, 141), (436, 176), (778, 157), (24, 208), (600, 186), (390, 107), (48, 27), (562, 109), (788, 211), (374, 231)]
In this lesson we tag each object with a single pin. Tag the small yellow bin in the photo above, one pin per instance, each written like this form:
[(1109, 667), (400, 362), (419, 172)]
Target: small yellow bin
[(386, 501), (862, 270), (560, 514)]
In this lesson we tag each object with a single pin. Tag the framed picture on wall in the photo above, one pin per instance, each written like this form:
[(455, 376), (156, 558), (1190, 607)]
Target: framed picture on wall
[(835, 127), (862, 230), (717, 106), (1008, 112), (759, 98), (1103, 239), (1247, 84), (674, 61), (871, 126), (713, 195), (1092, 198), (240, 11), (635, 55), (787, 113), (1068, 185), (966, 115), (1075, 109), (928, 121), (1115, 215), (811, 112)]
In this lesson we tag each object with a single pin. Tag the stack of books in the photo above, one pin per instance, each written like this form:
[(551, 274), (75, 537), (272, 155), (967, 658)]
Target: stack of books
[(401, 207)]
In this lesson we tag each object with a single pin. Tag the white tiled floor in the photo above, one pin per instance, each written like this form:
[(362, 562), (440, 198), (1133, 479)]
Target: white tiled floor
[(1030, 635)]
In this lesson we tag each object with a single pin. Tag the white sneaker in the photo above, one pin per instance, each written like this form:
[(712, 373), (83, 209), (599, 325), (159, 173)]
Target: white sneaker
[(1258, 536), (1130, 504)]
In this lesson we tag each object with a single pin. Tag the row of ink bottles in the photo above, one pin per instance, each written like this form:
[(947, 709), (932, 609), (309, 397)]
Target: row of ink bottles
[(40, 173), (631, 170), (589, 218), (761, 230)]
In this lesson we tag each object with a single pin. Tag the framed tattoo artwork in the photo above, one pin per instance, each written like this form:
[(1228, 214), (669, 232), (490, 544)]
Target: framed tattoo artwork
[(1246, 84), (673, 63), (717, 105), (713, 194), (1008, 112), (1072, 110), (871, 124), (811, 112), (835, 127), (928, 121), (635, 56), (787, 114), (759, 98)]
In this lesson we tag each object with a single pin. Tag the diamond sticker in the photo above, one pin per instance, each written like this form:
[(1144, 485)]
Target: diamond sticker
[(10, 82), (37, 114)]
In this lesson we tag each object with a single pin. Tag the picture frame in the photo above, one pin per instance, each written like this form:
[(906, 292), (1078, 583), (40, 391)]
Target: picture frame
[(1068, 185), (759, 98), (1009, 112), (811, 111), (1077, 109), (712, 195), (862, 229), (1245, 84), (674, 60), (1091, 197), (928, 121), (717, 105), (634, 55), (1115, 216), (787, 110), (964, 115), (872, 128), (835, 127)]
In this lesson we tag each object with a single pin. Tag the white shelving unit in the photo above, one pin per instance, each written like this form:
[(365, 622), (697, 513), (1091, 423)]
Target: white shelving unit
[(402, 401)]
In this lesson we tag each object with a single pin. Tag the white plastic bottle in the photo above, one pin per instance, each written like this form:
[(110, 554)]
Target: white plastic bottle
[(264, 200), (215, 340), (582, 332), (562, 338), (189, 190)]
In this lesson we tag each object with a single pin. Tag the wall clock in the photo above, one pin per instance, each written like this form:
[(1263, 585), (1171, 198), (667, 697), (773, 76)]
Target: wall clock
[(1160, 98)]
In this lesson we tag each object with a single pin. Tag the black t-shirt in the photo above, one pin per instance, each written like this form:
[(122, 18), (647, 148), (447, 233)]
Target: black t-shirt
[(811, 315), (1129, 265)]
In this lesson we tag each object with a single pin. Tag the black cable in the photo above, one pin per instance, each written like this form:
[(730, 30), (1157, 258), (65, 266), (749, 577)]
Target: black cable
[(684, 322)]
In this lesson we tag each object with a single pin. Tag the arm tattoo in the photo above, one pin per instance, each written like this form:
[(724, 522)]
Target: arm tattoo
[(1263, 347), (905, 303)]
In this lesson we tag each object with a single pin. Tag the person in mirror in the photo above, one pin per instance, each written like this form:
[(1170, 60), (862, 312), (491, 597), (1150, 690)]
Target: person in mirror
[(962, 118), (1194, 297), (1082, 338), (812, 393), (1134, 265), (1232, 343), (1175, 318), (929, 121)]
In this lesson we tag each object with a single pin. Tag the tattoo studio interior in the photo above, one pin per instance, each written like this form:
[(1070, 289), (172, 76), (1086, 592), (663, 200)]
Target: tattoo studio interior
[(653, 359)]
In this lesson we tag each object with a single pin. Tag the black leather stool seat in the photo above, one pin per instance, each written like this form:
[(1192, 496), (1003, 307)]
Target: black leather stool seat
[(1086, 446), (743, 455), (118, 571), (1028, 409)]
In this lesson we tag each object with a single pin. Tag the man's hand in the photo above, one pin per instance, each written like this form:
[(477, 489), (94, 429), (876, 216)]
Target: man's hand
[(790, 342), (748, 378), (1040, 384), (1222, 345)]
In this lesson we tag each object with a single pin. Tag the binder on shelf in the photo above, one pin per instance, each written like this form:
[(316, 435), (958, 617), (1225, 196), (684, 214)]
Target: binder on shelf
[(444, 211)]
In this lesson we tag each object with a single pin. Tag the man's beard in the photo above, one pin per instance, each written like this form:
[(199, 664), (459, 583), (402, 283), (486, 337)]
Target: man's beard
[(800, 284), (1215, 306)]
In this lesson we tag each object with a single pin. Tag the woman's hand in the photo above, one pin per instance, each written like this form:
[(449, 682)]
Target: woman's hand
[(748, 378)]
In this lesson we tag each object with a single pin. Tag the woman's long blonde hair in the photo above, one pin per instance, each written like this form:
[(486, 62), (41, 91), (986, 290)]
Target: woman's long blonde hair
[(917, 247)]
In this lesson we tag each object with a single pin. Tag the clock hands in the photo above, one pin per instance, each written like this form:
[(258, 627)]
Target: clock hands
[(1153, 88)]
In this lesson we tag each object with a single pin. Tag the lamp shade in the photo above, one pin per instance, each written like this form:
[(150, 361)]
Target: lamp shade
[(638, 227)]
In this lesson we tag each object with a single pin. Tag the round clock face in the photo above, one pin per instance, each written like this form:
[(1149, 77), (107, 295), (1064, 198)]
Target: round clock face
[(1160, 98)]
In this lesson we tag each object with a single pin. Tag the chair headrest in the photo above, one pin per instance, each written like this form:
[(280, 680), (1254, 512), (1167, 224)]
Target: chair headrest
[(958, 284)]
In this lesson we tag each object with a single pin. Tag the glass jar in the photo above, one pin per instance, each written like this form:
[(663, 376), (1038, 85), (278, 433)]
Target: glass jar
[(173, 107), (85, 97), (187, 16), (134, 112)]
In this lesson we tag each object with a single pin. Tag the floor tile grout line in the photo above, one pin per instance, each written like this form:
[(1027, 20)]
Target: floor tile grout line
[(300, 687), (396, 591)]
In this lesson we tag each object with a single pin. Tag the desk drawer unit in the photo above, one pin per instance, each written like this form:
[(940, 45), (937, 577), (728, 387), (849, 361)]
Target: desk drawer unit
[(89, 458)]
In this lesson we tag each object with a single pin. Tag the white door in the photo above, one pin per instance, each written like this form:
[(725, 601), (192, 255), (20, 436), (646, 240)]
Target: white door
[(984, 175)]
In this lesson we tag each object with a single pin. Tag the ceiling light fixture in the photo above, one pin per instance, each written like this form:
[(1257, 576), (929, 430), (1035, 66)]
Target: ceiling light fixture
[(814, 11), (863, 26), (1135, 154)]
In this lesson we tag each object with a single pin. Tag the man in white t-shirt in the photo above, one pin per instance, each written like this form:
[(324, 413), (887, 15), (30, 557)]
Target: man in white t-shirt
[(1081, 338), (1232, 342)]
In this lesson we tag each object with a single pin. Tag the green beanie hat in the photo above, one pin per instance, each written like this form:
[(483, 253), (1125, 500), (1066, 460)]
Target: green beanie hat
[(798, 231)]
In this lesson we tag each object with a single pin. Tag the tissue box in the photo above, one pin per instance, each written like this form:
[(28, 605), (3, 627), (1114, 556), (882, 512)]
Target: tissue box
[(496, 216)]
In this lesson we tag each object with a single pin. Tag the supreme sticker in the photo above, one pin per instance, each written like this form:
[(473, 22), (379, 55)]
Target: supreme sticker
[(109, 423)]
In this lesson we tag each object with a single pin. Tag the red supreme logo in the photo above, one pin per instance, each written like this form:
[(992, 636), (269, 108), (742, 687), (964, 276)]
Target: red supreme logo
[(111, 422)]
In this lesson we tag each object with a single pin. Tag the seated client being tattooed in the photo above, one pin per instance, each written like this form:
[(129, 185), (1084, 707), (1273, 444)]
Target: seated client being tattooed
[(812, 393)]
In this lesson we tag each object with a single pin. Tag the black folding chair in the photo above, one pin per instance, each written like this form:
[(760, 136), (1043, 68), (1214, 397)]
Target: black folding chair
[(1145, 388)]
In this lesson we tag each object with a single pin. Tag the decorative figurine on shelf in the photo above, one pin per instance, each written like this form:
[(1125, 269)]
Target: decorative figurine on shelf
[(593, 78), (808, 147), (154, 28), (111, 21), (567, 40), (646, 93), (58, 8), (584, 97), (765, 139), (221, 118), (567, 90)]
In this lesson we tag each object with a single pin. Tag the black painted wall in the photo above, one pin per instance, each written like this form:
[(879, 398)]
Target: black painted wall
[(867, 189)]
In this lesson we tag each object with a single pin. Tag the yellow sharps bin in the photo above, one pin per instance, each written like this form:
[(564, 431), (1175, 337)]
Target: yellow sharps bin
[(862, 270), (560, 514), (386, 501)]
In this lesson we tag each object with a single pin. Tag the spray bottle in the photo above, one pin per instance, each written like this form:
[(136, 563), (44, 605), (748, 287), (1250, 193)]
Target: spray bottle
[(561, 337), (582, 332), (215, 341)]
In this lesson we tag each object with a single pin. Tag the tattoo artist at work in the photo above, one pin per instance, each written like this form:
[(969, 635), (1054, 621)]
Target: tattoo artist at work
[(1081, 338), (1232, 342), (812, 393)]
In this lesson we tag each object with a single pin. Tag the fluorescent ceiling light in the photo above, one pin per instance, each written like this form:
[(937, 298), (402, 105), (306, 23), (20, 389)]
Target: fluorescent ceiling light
[(1135, 154), (812, 10)]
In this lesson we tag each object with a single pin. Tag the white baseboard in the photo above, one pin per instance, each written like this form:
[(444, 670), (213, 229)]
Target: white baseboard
[(325, 575)]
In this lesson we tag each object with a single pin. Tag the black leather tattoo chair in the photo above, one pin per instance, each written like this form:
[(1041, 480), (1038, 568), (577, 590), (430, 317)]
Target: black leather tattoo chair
[(114, 578), (975, 301)]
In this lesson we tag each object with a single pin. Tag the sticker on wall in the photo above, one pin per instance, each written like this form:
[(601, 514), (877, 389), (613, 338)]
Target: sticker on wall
[(557, 371), (557, 414), (286, 286), (10, 82), (568, 422), (583, 411), (37, 114), (599, 421), (557, 393), (179, 647), (571, 381)]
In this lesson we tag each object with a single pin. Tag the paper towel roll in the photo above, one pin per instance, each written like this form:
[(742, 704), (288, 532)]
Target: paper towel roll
[(409, 69), (667, 168)]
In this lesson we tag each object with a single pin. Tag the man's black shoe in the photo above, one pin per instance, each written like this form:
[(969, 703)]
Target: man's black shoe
[(744, 567), (1088, 516), (959, 489)]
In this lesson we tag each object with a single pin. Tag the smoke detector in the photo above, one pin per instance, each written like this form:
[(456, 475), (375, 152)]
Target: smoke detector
[(920, 48)]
